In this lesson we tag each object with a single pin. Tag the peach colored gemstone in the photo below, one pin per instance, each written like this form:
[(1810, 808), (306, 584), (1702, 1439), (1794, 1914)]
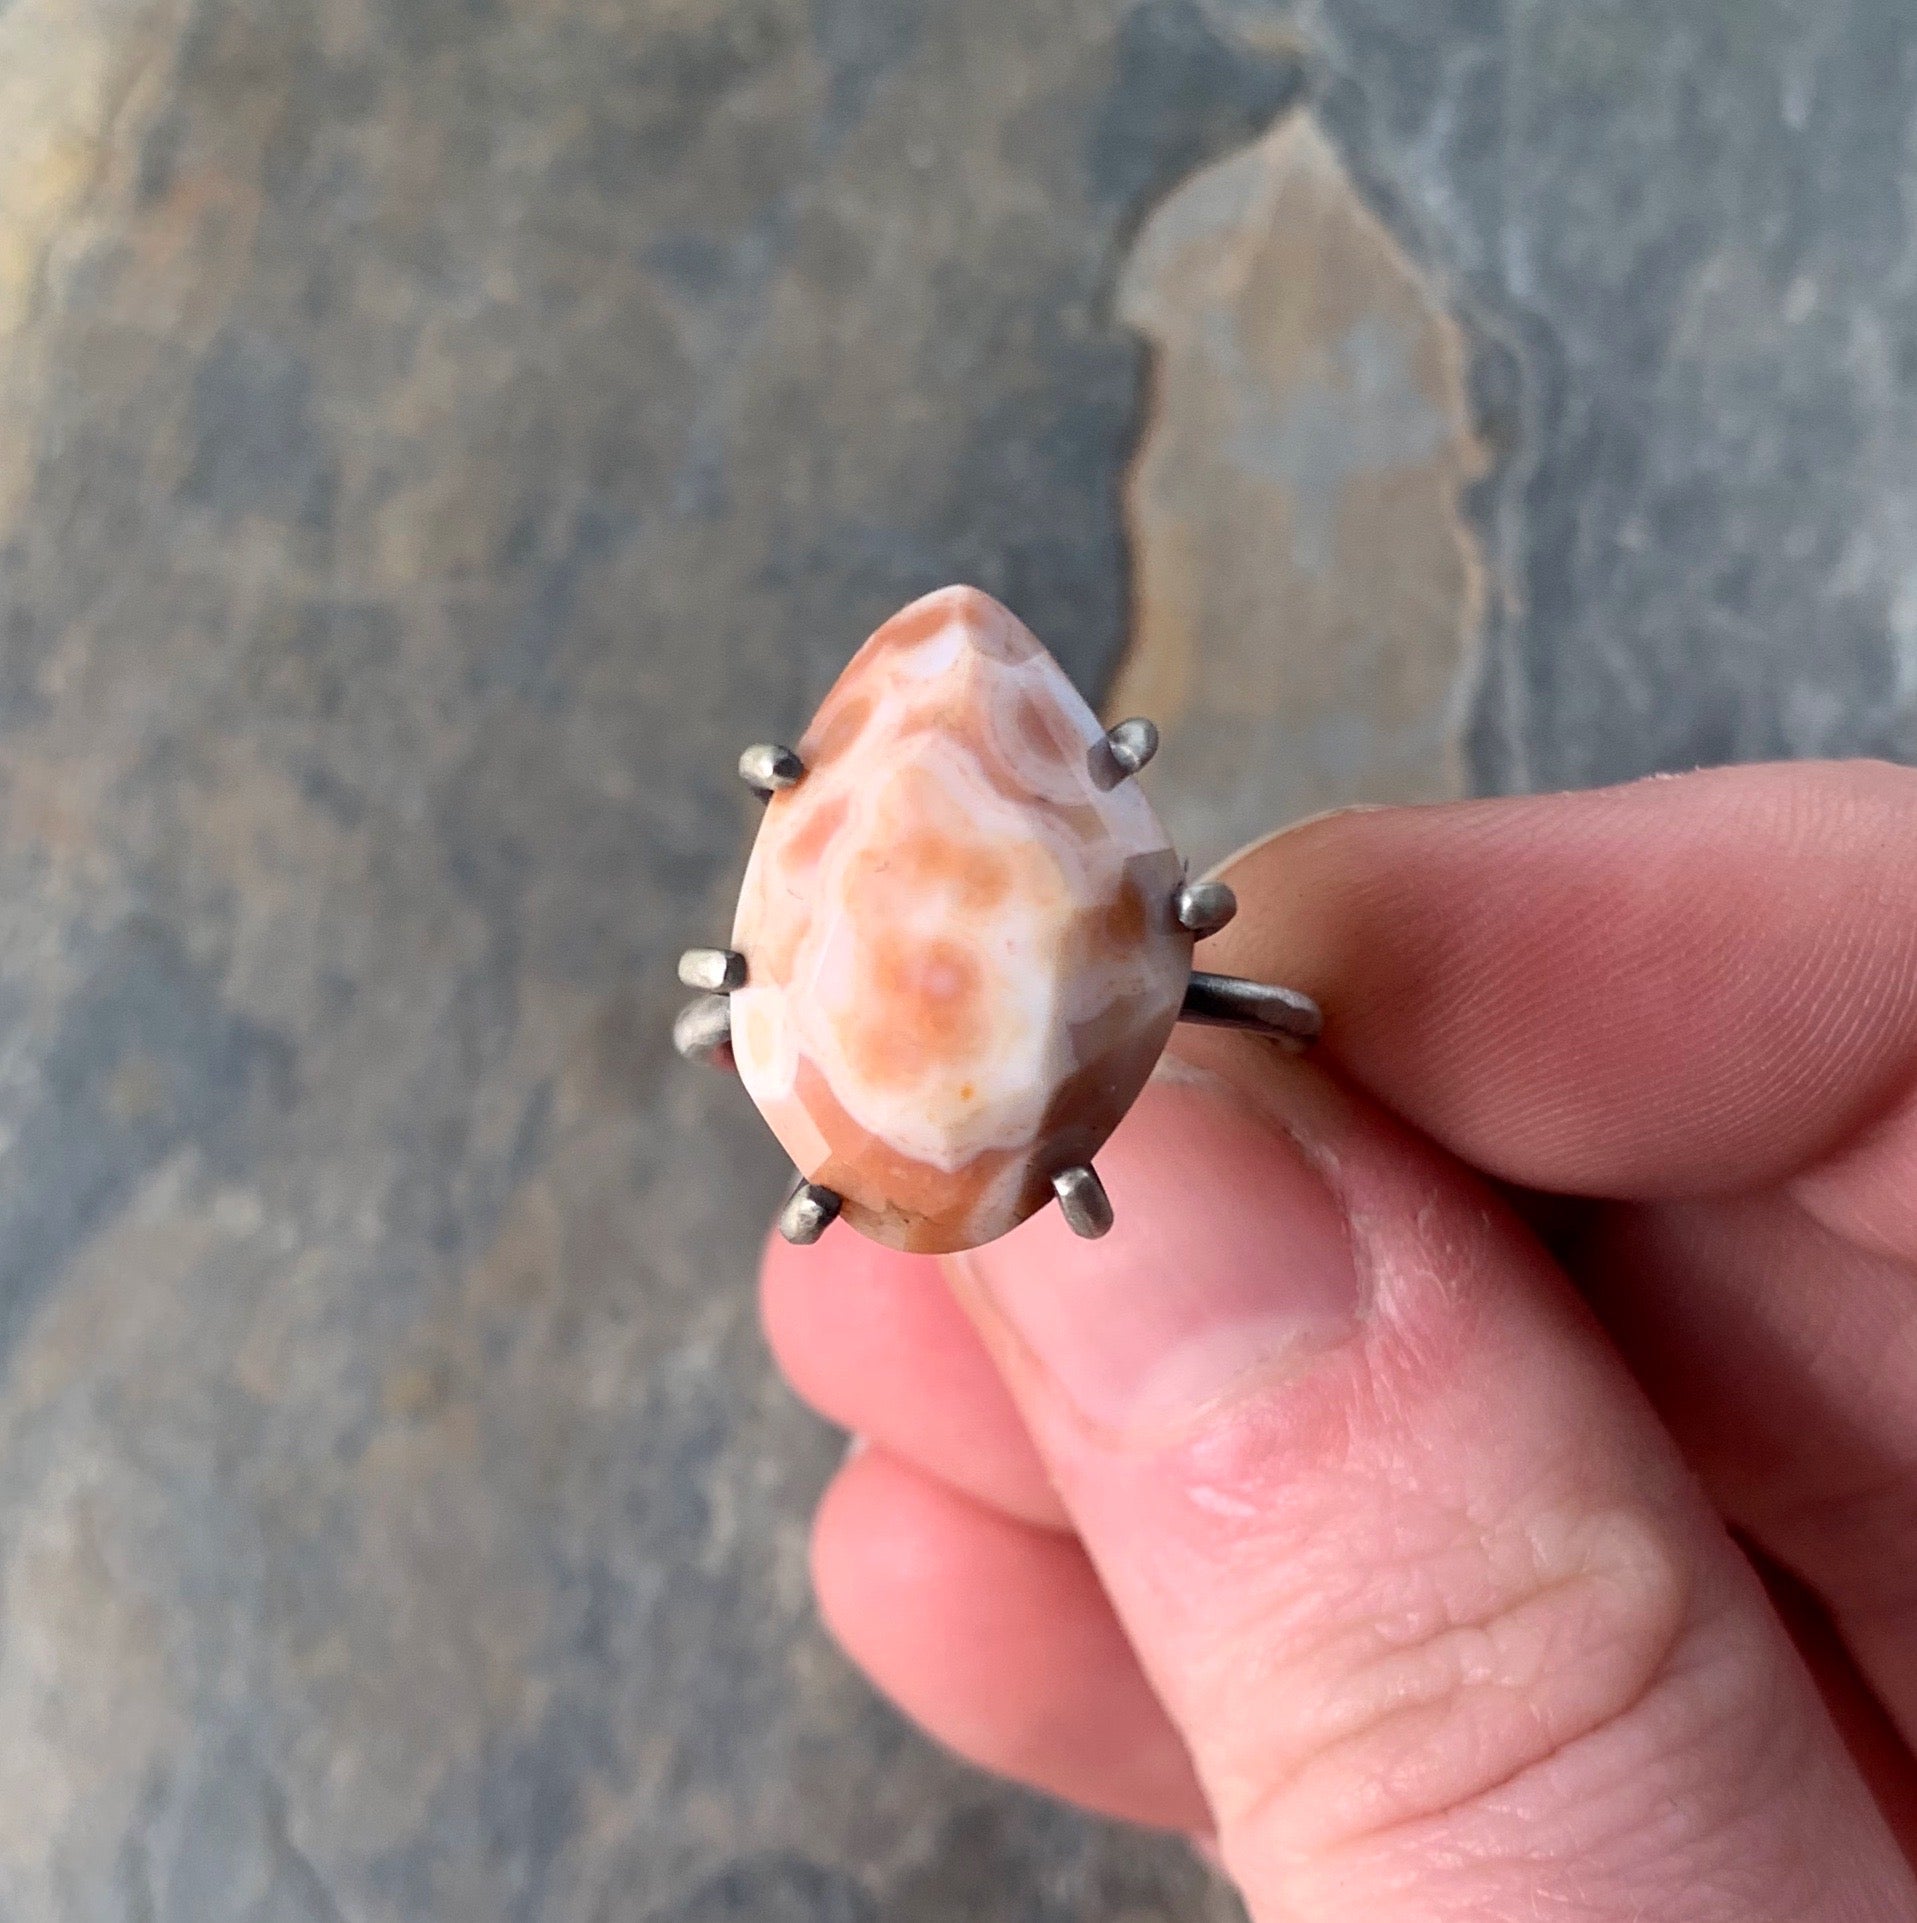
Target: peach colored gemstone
[(962, 952)]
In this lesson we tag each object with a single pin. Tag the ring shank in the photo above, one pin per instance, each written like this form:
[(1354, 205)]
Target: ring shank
[(1262, 1008)]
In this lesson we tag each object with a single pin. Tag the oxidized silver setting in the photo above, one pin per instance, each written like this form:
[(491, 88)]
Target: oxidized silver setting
[(703, 1031)]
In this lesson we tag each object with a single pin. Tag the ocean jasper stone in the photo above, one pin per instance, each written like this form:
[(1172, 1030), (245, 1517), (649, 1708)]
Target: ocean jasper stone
[(962, 954)]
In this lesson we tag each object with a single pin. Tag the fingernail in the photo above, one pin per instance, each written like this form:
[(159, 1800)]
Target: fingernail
[(1229, 1258)]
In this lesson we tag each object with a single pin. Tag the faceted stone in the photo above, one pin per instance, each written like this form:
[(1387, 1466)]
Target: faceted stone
[(962, 956)]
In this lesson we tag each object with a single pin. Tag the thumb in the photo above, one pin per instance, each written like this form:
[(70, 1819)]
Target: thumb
[(1445, 1624)]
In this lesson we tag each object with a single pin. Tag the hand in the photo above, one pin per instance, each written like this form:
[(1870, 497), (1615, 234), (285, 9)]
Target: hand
[(1321, 1511)]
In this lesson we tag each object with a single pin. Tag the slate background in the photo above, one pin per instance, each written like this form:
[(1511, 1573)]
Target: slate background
[(436, 434)]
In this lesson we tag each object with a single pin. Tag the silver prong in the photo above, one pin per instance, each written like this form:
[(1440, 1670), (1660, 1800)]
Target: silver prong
[(703, 1031), (1226, 1001), (767, 767), (809, 1211), (1082, 1201), (717, 970), (1131, 745), (1204, 906)]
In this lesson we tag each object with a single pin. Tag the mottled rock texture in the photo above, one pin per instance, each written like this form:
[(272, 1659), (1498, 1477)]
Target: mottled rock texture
[(961, 960), (1308, 595), (435, 435)]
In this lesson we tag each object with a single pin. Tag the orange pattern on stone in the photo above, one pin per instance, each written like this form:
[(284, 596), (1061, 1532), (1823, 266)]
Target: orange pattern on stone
[(963, 960)]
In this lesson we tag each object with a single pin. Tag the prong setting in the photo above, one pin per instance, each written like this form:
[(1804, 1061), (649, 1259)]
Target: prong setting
[(1130, 746), (837, 992), (719, 971), (1082, 1201), (703, 1031), (1204, 907), (767, 768), (809, 1211)]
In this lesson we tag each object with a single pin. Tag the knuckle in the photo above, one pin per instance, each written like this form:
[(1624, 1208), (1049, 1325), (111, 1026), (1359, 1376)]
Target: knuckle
[(1417, 1687)]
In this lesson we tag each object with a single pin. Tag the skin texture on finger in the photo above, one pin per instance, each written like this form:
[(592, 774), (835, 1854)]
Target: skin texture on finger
[(997, 1639), (1660, 994), (1868, 1733), (873, 1341), (1447, 1626), (1681, 987), (1784, 1360)]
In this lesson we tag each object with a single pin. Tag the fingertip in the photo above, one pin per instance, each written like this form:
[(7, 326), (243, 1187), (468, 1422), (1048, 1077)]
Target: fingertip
[(1671, 987), (996, 1638), (873, 1341), (843, 1540), (792, 1280)]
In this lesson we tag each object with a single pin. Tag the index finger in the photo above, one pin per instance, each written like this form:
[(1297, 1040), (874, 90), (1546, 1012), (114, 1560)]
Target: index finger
[(1689, 986)]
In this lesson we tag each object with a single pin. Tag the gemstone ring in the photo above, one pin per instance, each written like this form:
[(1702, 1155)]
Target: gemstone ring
[(962, 940)]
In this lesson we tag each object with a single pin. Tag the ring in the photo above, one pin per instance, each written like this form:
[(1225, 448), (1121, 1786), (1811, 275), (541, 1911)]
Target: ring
[(962, 940)]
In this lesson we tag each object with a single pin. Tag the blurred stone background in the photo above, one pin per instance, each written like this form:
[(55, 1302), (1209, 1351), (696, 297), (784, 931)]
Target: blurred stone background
[(434, 436)]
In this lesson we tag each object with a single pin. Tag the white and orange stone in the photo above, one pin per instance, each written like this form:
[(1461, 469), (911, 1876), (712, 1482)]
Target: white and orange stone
[(963, 959)]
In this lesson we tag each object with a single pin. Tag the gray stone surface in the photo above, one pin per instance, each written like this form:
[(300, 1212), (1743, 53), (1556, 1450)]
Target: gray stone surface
[(433, 435), (1685, 236)]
